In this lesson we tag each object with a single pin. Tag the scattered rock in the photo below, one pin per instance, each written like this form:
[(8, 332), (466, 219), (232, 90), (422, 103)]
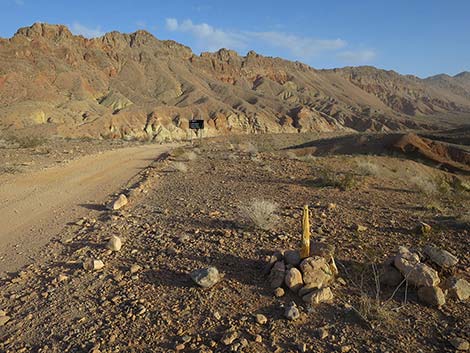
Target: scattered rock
[(433, 296), (4, 319), (460, 344), (114, 243), (292, 257), (440, 257), (322, 333), (390, 276), (360, 228), (423, 228), (229, 337), (206, 277), (302, 347), (318, 296), (258, 338), (135, 268), (293, 279), (261, 319), (292, 312), (458, 288), (316, 271), (120, 202), (277, 275), (279, 292), (93, 264), (417, 273)]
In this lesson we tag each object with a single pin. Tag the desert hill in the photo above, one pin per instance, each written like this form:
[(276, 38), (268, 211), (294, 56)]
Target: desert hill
[(135, 86)]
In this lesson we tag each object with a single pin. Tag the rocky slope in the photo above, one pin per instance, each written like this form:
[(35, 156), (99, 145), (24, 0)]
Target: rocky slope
[(136, 86)]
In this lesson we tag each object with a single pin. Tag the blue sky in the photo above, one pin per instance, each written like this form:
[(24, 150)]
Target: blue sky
[(412, 37)]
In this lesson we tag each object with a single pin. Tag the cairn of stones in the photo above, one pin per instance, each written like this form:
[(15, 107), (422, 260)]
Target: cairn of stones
[(309, 272)]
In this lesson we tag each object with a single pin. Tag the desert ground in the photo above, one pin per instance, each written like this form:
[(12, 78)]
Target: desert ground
[(232, 203)]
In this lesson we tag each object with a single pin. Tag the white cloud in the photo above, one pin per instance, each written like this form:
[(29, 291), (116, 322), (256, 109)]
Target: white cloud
[(208, 37), (141, 24), (298, 47), (78, 28), (357, 57)]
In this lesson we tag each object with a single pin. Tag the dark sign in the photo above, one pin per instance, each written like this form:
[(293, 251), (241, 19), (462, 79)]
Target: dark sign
[(196, 124)]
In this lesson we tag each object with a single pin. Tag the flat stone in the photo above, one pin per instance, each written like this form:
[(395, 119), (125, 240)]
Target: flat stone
[(229, 337), (440, 257), (261, 319), (4, 320)]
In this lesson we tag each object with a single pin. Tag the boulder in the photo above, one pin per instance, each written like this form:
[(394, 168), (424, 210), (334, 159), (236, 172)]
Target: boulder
[(120, 202), (322, 249), (433, 296), (292, 257), (316, 271), (440, 257), (390, 276), (460, 344), (318, 296), (277, 275), (114, 243), (458, 288), (206, 277), (292, 312), (416, 273), (93, 264), (293, 279)]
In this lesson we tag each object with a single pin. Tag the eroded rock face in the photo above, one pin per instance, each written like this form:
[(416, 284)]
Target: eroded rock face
[(416, 273), (316, 271)]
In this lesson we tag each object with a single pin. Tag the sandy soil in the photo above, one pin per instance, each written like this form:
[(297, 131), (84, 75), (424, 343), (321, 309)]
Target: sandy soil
[(36, 206)]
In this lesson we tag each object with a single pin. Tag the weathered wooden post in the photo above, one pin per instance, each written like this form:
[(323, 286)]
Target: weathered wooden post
[(305, 250)]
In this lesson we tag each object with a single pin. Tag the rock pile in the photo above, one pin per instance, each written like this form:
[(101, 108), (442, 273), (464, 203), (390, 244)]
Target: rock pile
[(310, 277), (420, 272)]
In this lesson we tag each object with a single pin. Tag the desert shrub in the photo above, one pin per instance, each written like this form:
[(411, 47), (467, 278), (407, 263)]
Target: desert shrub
[(180, 167), (190, 156), (24, 141), (9, 170), (248, 148), (367, 167), (261, 214), (344, 181)]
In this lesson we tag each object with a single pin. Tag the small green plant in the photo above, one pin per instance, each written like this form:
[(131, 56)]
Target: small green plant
[(345, 181)]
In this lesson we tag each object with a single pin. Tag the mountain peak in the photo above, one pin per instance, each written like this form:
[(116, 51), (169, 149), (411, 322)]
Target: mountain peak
[(49, 31)]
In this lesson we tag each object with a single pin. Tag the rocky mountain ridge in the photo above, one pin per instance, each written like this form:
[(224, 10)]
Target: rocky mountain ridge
[(136, 86)]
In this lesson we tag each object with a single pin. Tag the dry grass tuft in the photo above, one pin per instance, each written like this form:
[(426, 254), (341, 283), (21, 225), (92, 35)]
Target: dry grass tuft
[(261, 214), (180, 167)]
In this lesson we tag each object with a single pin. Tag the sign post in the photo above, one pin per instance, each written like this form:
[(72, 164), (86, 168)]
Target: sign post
[(198, 125)]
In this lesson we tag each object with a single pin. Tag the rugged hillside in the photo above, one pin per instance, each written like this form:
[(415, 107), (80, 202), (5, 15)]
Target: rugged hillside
[(136, 86)]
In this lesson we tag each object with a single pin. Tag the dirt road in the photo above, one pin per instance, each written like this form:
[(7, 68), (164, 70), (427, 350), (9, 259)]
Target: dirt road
[(34, 207)]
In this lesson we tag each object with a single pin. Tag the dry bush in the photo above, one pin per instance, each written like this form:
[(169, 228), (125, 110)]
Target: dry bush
[(261, 214), (367, 167), (248, 148), (190, 156), (180, 167), (430, 186), (346, 181)]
